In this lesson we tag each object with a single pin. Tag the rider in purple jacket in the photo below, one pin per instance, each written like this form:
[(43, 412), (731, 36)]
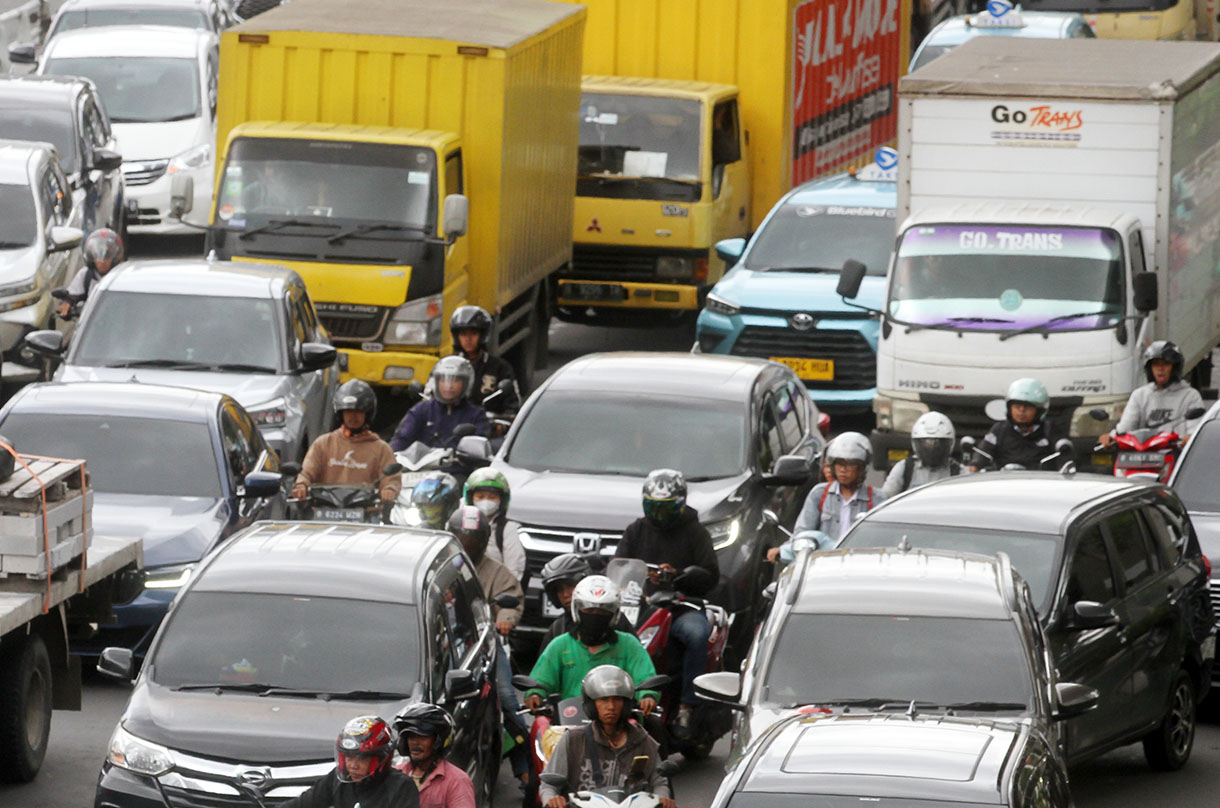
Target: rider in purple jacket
[(432, 421)]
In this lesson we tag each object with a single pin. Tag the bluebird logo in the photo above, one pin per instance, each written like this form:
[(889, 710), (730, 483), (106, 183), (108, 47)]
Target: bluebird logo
[(886, 157), (998, 8)]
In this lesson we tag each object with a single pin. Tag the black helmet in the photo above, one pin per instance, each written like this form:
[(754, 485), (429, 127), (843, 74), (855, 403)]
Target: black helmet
[(427, 720), (1169, 352), (470, 318), (472, 529), (365, 736), (102, 244), (608, 681), (664, 496), (569, 568), (355, 394), (454, 366), (434, 497)]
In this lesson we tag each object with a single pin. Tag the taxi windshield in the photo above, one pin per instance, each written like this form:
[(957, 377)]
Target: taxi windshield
[(819, 238)]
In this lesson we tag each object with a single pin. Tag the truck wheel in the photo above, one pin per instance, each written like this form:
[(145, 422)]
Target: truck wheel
[(25, 708), (1167, 747)]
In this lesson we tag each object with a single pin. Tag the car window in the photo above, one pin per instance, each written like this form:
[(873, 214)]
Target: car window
[(1168, 533), (453, 173), (63, 191), (451, 629), (1090, 576), (770, 446), (53, 198), (1131, 551), (299, 330), (788, 412), (240, 454), (95, 128)]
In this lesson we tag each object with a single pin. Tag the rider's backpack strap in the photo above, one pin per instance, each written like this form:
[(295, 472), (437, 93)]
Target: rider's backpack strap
[(908, 471)]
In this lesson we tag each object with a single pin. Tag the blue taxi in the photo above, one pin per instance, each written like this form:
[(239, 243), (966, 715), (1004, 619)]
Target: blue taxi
[(999, 18)]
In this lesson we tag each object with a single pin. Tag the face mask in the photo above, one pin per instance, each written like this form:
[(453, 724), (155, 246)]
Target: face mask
[(488, 507), (593, 628)]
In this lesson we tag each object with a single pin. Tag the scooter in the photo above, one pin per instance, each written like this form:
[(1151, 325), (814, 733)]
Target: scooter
[(340, 502), (630, 794), (654, 620), (1149, 453)]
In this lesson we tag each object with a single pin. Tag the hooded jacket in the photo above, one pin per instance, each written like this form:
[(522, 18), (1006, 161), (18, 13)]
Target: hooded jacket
[(574, 760), (1151, 407), (432, 423), (337, 458), (684, 544), (497, 579)]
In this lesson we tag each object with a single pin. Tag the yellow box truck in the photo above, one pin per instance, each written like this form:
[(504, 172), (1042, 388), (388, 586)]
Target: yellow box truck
[(696, 116), (406, 157)]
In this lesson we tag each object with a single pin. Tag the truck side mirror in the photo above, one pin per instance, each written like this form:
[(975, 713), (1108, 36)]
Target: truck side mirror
[(729, 250), (456, 216), (850, 278), (181, 195), (1145, 295)]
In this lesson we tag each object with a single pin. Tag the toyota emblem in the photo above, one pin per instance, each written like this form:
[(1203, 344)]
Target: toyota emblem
[(802, 321)]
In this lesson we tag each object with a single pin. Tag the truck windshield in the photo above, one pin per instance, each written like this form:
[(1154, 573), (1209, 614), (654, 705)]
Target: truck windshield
[(348, 181), (139, 89), (639, 136), (814, 238), (1007, 278)]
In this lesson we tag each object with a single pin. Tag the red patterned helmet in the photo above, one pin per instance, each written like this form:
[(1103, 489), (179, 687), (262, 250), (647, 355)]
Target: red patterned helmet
[(366, 736)]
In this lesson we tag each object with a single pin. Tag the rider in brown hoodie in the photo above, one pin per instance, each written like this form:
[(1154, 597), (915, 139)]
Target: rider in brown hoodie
[(353, 453)]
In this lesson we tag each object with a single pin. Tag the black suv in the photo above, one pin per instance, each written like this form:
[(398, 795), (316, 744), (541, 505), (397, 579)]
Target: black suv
[(66, 112), (284, 633), (1119, 580)]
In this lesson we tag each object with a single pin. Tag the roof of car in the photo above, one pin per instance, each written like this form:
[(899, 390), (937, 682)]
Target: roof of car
[(20, 92), (1037, 25), (80, 5), (319, 559), (845, 189), (887, 581), (132, 41), (15, 157), (879, 756), (677, 375), (117, 399), (198, 276), (1034, 502)]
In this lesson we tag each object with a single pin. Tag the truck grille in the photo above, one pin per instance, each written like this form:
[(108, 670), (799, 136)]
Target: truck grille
[(602, 264), (145, 172), (855, 361), (352, 323)]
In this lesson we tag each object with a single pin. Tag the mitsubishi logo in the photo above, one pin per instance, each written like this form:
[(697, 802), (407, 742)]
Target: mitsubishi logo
[(594, 227), (586, 544), (255, 778), (802, 321)]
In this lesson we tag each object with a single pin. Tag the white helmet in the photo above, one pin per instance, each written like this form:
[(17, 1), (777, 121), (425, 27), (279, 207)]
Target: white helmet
[(933, 425), (595, 592), (851, 447), (932, 439)]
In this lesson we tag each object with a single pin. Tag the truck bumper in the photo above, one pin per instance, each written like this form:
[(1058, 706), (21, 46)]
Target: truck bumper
[(385, 368), (628, 295)]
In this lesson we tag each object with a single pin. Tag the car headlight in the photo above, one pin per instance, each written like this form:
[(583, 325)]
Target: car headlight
[(138, 755), (19, 295), (273, 413), (192, 158), (675, 269), (719, 305), (174, 577), (724, 533), (416, 323)]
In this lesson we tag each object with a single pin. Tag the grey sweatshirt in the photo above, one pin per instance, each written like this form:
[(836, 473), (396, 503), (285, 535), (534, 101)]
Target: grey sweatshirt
[(1150, 408)]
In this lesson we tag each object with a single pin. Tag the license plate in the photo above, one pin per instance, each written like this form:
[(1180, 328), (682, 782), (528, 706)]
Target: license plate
[(808, 369), (894, 455), (592, 291), (339, 514), (1128, 459), (1209, 647)]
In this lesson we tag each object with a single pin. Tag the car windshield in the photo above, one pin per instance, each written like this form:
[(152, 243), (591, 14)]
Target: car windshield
[(1008, 277), (639, 136), (937, 660), (822, 237), (363, 182), (44, 123), (196, 330), (1033, 555), (929, 54), (770, 799), (18, 217), (98, 17), (136, 455), (141, 89), (1195, 481), (630, 435), (321, 644)]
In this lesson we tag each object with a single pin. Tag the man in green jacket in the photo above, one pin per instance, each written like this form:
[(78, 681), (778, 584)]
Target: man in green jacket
[(592, 642)]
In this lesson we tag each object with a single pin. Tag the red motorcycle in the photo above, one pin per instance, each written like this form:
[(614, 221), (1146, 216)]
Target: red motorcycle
[(653, 619), (1146, 453)]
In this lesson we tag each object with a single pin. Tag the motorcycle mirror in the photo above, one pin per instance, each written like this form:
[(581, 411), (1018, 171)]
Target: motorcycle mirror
[(770, 516), (1098, 414), (1195, 412), (290, 468), (694, 578), (556, 781), (391, 469), (652, 682), (505, 601), (667, 768), (523, 682), (505, 385), (463, 431), (965, 446), (996, 409), (1066, 449)]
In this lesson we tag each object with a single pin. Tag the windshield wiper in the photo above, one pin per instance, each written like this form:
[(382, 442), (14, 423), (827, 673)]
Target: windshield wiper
[(245, 687), (875, 704), (977, 320), (981, 706), (800, 269), (1052, 321), (176, 364), (632, 178), (238, 367), (365, 229), (327, 695), (277, 224)]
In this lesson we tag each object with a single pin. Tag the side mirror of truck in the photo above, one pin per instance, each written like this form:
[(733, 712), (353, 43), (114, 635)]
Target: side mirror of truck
[(181, 195), (850, 278), (729, 250), (1145, 291), (456, 216)]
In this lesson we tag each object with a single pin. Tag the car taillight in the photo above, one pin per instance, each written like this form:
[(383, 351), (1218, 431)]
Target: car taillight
[(1207, 566)]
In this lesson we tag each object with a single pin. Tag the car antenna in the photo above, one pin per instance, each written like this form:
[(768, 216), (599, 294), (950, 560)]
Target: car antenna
[(904, 544)]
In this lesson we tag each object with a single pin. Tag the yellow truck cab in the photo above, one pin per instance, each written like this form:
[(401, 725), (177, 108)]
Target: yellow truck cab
[(1140, 19), (662, 176)]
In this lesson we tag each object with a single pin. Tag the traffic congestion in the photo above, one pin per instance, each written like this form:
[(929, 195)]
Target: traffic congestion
[(608, 404)]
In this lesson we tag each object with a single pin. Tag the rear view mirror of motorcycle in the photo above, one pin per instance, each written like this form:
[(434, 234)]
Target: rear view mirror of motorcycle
[(415, 393), (463, 430), (639, 768), (655, 682), (555, 781), (771, 516), (392, 469), (523, 682), (668, 768), (1195, 412), (290, 468), (506, 601), (694, 578), (1098, 414), (996, 409)]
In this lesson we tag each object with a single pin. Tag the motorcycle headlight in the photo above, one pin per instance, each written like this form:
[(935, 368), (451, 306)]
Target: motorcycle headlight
[(724, 533), (273, 413), (192, 158), (719, 305), (416, 323), (174, 577), (138, 755)]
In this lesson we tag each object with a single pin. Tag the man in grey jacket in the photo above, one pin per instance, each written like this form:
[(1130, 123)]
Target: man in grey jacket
[(930, 459), (1163, 402)]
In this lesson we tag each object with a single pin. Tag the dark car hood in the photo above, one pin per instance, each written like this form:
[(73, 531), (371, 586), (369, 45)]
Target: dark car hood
[(243, 727), (1207, 527), (606, 501), (176, 530)]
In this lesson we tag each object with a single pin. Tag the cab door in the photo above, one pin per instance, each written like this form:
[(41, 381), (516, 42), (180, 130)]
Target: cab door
[(730, 186)]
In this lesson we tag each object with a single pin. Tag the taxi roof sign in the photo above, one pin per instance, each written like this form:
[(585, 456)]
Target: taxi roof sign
[(998, 14), (884, 167)]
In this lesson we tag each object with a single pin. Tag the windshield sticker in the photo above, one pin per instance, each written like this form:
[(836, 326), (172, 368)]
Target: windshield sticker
[(418, 177), (603, 118), (240, 224), (225, 212), (1011, 300), (645, 163)]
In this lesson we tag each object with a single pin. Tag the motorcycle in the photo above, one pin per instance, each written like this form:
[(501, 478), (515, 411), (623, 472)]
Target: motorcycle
[(1150, 452), (345, 502), (654, 620), (630, 794)]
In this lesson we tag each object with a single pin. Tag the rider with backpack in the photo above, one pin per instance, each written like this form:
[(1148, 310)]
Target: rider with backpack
[(932, 439)]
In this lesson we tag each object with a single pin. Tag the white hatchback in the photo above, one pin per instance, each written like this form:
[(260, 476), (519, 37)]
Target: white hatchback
[(158, 85)]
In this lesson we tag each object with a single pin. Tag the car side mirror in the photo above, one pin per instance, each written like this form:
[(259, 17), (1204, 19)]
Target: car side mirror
[(45, 343), (722, 687), (850, 278), (729, 250), (22, 53), (475, 449), (460, 685), (317, 355), (262, 483), (1145, 295), (290, 468), (1072, 699), (116, 663), (62, 238), (788, 470), (1088, 614), (106, 160), (181, 195), (456, 216)]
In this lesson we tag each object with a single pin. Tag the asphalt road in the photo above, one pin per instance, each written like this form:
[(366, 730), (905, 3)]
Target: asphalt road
[(78, 740)]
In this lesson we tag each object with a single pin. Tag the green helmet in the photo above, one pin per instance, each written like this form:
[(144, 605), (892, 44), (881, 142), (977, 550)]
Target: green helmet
[(487, 480), (1030, 391)]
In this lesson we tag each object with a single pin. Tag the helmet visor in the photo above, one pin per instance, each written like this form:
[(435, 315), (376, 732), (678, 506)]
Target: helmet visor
[(932, 452), (663, 511)]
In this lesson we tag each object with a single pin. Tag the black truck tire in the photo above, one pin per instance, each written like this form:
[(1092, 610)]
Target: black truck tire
[(25, 707)]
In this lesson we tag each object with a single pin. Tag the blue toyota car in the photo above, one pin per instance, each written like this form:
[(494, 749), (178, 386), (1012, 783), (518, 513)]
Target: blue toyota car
[(999, 19), (779, 300)]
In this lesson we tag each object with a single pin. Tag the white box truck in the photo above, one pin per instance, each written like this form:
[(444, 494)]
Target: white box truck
[(1060, 202)]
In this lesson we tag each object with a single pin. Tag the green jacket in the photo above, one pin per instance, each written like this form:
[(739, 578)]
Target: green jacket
[(565, 661)]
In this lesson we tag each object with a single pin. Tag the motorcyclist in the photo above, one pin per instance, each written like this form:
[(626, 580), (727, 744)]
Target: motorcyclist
[(488, 490), (1163, 402), (102, 250), (425, 733), (435, 497), (560, 576), (834, 506), (433, 420), (601, 754), (353, 453), (470, 328), (363, 776), (1024, 437), (932, 438), (593, 641), (670, 535)]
